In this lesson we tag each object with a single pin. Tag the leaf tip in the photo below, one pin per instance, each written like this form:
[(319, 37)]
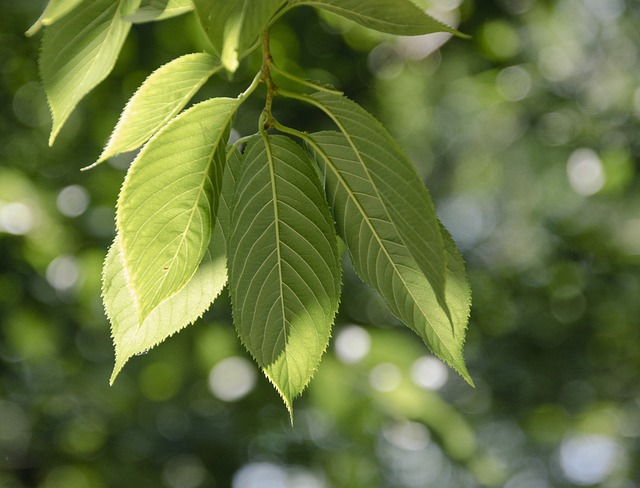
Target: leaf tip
[(34, 29), (117, 368)]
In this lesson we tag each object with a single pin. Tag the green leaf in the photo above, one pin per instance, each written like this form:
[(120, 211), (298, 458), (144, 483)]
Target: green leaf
[(162, 95), (399, 17), (284, 268), (168, 200), (130, 335), (221, 232), (79, 52), (374, 201), (155, 10), (233, 26), (393, 181), (55, 9), (368, 223)]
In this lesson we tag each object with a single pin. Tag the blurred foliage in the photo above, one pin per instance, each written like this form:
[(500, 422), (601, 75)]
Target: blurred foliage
[(527, 138)]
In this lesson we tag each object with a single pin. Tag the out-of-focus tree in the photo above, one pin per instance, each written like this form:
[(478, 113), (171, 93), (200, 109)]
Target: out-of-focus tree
[(526, 137)]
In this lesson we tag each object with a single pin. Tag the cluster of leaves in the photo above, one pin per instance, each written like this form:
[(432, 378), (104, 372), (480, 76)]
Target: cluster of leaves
[(196, 214)]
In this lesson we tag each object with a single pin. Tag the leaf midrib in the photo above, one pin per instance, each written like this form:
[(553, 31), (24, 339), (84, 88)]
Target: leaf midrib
[(276, 219), (381, 241)]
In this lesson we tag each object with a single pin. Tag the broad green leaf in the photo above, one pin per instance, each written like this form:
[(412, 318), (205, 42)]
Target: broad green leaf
[(284, 269), (168, 200), (54, 10), (79, 51), (394, 182), (155, 10), (371, 205), (130, 336), (233, 26), (399, 17), (162, 95)]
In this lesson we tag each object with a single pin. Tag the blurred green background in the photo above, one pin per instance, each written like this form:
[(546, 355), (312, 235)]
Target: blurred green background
[(527, 137)]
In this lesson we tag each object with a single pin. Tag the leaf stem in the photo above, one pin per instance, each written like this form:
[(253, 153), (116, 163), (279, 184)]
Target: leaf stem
[(301, 81), (266, 120), (240, 141), (251, 88)]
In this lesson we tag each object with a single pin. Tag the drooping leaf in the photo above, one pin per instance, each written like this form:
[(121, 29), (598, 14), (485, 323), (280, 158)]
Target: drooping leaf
[(169, 198), (394, 181), (284, 271), (155, 10), (79, 51), (370, 203), (130, 336), (233, 26), (54, 10), (162, 95), (399, 17)]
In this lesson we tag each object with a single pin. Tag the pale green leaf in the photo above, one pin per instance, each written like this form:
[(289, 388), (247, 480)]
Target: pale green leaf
[(79, 51), (370, 199), (162, 95), (155, 10), (399, 17), (166, 206), (284, 269), (130, 336), (234, 26), (55, 9)]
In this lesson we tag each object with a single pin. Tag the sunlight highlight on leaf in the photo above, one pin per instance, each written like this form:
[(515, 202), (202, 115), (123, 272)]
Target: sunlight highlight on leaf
[(162, 95), (79, 51), (284, 268), (55, 9), (169, 199)]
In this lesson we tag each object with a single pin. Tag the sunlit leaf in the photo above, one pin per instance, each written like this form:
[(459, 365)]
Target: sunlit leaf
[(162, 95), (130, 336), (79, 51), (54, 10), (234, 26), (155, 10), (284, 270), (168, 200), (400, 17), (371, 200)]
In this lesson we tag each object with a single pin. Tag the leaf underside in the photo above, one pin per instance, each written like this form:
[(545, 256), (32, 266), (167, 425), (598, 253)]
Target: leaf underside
[(170, 195), (284, 269), (55, 10), (79, 51), (381, 257), (393, 180)]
